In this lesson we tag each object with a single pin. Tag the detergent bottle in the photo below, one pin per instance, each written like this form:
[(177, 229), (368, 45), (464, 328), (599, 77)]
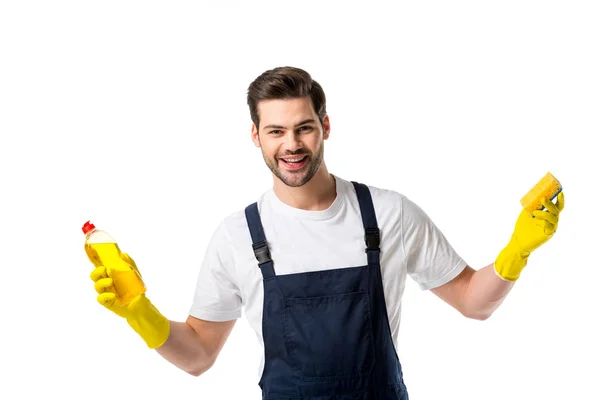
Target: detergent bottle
[(103, 250)]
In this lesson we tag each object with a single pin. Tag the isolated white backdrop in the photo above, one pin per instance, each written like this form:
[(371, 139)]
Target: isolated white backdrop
[(133, 115)]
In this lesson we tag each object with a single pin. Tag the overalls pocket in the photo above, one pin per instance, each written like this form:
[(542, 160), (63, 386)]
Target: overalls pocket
[(330, 337)]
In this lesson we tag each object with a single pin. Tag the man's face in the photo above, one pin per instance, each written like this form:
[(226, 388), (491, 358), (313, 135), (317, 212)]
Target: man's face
[(291, 139)]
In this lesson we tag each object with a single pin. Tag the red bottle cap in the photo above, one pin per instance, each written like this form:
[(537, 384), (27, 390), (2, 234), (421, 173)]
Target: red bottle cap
[(87, 227)]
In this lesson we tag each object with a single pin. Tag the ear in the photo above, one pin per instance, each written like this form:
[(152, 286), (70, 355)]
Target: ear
[(326, 127), (254, 134)]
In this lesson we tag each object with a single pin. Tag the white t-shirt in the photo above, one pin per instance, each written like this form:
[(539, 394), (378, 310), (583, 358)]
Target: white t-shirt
[(303, 241)]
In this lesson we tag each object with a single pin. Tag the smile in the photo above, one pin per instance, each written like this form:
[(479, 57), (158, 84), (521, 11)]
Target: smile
[(293, 162)]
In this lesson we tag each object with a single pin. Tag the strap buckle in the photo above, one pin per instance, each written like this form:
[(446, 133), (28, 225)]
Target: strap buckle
[(372, 239), (261, 252)]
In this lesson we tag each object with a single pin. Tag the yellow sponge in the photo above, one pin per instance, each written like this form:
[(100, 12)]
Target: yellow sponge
[(548, 187)]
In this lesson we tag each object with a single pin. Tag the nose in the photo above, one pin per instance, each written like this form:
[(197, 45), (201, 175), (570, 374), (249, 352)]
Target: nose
[(292, 141)]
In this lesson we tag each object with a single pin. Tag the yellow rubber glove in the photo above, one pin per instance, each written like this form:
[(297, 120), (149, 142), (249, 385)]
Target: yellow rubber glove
[(140, 313), (529, 234)]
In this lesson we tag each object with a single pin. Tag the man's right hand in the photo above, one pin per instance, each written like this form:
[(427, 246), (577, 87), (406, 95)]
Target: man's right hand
[(140, 313)]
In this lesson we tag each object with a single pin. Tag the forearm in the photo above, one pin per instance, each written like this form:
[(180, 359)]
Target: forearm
[(185, 349), (485, 292)]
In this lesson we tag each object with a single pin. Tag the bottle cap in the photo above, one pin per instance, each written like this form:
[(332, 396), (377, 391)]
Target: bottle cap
[(87, 227)]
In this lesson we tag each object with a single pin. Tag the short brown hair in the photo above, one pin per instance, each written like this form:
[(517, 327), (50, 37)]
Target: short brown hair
[(285, 83)]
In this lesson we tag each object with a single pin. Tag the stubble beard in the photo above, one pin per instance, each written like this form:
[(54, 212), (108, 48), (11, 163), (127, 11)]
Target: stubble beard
[(293, 178)]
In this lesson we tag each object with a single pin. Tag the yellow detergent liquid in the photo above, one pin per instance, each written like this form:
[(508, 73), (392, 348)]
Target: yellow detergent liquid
[(102, 250)]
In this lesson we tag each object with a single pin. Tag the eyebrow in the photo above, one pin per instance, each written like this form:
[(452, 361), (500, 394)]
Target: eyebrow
[(306, 121)]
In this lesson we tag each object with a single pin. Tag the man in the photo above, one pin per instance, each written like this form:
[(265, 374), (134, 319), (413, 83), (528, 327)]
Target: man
[(320, 264)]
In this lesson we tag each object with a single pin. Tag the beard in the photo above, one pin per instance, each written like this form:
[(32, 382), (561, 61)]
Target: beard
[(302, 176)]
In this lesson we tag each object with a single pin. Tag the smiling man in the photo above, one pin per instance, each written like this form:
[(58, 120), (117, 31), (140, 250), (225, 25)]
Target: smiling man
[(320, 264)]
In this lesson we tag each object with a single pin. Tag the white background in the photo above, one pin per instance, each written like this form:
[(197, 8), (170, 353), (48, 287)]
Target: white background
[(133, 115)]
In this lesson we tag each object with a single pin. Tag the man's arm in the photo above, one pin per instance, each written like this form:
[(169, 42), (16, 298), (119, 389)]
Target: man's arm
[(193, 346), (475, 294)]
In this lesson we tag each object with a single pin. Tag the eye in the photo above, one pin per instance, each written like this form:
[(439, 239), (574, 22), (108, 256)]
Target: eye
[(275, 132), (305, 128)]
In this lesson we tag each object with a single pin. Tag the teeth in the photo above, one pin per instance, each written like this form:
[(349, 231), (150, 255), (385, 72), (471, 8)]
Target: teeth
[(289, 160)]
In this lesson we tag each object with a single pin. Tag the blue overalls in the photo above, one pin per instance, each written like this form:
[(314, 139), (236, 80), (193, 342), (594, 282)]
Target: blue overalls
[(326, 333)]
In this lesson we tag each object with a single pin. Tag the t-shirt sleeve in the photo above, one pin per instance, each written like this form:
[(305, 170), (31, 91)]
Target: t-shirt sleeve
[(217, 297), (431, 260)]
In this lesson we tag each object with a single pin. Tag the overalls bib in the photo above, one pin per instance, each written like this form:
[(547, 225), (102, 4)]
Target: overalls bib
[(326, 333)]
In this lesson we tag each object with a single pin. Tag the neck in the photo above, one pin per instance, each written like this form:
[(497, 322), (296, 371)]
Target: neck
[(316, 195)]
